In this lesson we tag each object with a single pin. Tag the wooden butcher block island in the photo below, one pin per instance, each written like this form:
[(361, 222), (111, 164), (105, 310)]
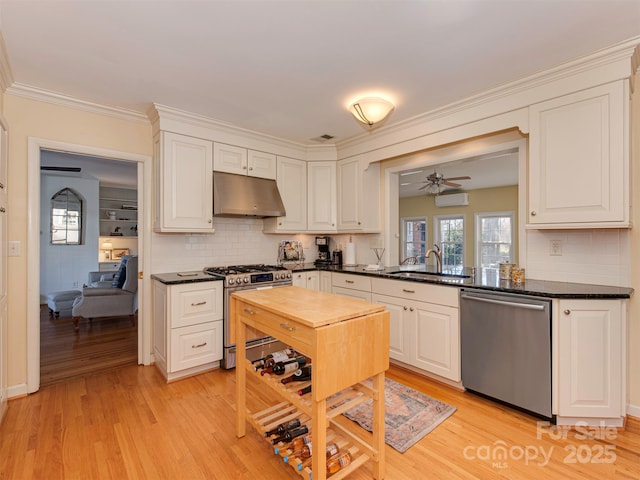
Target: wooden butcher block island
[(347, 341)]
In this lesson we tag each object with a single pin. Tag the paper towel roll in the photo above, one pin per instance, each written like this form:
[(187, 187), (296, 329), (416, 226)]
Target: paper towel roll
[(350, 254)]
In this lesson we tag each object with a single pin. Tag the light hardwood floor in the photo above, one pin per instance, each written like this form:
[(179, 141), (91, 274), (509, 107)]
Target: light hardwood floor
[(101, 345), (128, 423)]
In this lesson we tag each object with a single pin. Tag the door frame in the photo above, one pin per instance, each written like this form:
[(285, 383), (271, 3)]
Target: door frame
[(35, 146)]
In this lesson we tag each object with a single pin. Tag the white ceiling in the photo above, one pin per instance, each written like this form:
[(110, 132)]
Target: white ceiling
[(289, 68)]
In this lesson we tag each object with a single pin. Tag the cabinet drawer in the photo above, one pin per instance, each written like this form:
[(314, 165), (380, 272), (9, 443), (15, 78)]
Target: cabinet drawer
[(196, 345), (193, 304), (353, 293), (290, 332), (424, 292), (357, 282)]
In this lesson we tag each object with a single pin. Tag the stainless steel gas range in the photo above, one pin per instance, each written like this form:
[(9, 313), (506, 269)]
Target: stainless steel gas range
[(248, 277)]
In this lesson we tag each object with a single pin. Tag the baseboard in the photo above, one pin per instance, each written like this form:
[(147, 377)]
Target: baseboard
[(16, 391), (633, 410)]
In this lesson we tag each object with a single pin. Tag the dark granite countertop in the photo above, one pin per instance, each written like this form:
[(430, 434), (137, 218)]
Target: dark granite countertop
[(184, 277), (539, 288)]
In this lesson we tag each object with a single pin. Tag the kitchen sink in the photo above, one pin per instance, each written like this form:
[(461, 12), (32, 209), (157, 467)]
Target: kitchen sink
[(428, 275)]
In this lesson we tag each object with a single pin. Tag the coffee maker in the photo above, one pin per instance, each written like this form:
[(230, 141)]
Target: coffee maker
[(324, 255)]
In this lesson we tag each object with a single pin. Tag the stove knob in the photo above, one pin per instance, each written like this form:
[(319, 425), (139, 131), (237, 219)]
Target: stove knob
[(288, 275), (277, 276), (231, 281), (246, 280)]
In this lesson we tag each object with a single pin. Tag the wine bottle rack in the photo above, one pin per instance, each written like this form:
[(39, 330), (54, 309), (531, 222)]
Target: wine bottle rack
[(269, 418), (296, 406)]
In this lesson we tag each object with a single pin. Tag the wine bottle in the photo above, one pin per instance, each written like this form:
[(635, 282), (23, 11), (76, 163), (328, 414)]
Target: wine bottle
[(301, 375), (290, 434), (283, 427), (293, 445), (283, 368), (306, 451), (304, 390), (279, 356), (338, 462)]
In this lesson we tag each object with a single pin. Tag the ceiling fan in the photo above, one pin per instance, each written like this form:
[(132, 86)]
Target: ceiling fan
[(437, 182)]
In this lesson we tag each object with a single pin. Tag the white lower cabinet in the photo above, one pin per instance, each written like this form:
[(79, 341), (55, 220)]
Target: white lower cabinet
[(354, 286), (187, 327), (308, 279), (325, 281), (591, 355), (424, 325)]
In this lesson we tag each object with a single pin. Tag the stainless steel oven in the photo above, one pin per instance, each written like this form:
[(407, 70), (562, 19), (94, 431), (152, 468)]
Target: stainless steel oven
[(248, 277)]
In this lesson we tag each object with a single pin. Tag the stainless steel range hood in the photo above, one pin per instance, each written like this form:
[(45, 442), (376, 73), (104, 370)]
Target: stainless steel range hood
[(242, 195)]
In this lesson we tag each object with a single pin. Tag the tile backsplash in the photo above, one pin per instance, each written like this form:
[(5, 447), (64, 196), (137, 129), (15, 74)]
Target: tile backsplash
[(597, 256)]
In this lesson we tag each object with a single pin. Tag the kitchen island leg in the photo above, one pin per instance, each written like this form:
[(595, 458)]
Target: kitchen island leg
[(241, 372)]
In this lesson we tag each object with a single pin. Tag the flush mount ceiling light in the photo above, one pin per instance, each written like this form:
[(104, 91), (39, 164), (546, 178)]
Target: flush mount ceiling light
[(371, 110)]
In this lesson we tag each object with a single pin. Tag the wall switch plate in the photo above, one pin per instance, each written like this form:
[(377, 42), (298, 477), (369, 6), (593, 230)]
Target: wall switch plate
[(555, 248)]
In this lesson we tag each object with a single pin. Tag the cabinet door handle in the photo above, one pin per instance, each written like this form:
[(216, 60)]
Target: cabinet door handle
[(567, 312), (534, 213), (250, 312), (349, 281), (1, 186), (404, 308), (408, 291), (287, 327), (411, 309), (199, 346), (2, 210), (197, 304)]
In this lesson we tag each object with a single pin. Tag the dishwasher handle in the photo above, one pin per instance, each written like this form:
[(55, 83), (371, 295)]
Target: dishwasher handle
[(529, 306)]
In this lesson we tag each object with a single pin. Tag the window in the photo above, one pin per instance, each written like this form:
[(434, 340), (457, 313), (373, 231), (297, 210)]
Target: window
[(414, 238), (494, 243), (66, 218), (449, 235)]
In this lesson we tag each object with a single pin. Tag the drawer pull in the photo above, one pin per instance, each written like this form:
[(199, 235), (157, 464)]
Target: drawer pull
[(250, 312), (287, 327), (408, 291), (197, 304), (200, 345), (349, 281), (567, 312)]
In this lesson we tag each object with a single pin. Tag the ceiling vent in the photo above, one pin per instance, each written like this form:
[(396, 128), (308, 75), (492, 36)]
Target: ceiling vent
[(452, 200), (323, 138)]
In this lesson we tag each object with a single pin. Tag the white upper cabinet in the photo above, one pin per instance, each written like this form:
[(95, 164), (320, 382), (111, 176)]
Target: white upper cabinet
[(321, 206), (238, 160), (261, 164), (183, 170), (358, 196), (292, 184), (579, 160)]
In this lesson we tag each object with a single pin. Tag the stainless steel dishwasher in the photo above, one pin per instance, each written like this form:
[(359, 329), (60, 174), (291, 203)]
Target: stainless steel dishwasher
[(505, 342)]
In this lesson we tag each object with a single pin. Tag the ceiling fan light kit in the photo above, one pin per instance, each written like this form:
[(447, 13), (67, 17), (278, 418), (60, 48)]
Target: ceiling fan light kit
[(371, 110)]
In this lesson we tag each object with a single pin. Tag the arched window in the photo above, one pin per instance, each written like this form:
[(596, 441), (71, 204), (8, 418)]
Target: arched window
[(66, 218)]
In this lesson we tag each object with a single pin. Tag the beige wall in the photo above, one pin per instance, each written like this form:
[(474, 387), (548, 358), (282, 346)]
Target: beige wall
[(30, 118), (483, 200)]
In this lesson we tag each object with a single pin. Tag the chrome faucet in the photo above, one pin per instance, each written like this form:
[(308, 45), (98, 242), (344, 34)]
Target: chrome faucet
[(436, 253)]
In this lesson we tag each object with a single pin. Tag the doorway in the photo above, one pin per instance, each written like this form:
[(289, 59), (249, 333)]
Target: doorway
[(143, 169), (99, 187)]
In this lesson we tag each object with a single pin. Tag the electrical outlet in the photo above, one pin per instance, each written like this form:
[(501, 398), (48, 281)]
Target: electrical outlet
[(75, 284), (555, 248)]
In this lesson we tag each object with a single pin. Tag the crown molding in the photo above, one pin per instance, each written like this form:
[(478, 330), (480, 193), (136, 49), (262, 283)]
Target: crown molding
[(616, 62), (175, 120), (6, 75), (41, 95)]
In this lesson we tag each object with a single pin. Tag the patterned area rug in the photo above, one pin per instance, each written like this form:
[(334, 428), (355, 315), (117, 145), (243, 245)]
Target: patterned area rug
[(409, 414)]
